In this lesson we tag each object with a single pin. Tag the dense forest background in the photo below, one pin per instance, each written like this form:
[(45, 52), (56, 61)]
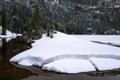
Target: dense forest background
[(69, 16)]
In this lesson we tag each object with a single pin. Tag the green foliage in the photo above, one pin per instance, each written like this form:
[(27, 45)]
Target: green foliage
[(49, 30), (36, 19), (18, 16), (76, 18), (63, 27)]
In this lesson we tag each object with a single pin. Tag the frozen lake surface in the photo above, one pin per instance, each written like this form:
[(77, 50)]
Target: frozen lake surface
[(72, 54)]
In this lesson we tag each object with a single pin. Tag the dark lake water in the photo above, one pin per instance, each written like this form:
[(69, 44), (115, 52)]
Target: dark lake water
[(10, 71)]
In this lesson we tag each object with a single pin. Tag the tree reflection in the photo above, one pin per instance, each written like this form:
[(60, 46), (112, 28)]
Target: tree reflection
[(4, 52), (7, 51)]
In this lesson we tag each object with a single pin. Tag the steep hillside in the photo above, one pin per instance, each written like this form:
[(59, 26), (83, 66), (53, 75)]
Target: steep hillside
[(76, 16)]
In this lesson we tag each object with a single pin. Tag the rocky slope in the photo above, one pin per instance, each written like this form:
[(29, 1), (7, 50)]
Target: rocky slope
[(80, 16)]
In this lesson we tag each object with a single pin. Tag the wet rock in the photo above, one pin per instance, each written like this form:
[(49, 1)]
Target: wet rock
[(25, 39), (112, 32), (28, 38)]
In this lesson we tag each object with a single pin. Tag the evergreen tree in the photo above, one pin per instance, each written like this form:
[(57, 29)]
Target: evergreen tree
[(51, 32), (63, 27), (4, 21), (36, 19), (48, 30)]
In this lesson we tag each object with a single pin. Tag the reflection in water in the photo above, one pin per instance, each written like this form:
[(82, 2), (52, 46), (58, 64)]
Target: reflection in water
[(4, 51), (45, 75), (105, 73), (8, 50), (0, 42), (8, 71)]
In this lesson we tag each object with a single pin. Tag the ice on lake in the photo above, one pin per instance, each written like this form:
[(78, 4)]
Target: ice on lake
[(71, 54)]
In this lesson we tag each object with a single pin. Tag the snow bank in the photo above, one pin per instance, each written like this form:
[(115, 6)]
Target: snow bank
[(9, 34), (106, 63), (63, 51), (70, 66)]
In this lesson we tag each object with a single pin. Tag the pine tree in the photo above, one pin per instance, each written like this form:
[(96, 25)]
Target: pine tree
[(63, 27), (48, 30), (4, 21), (36, 19), (51, 32)]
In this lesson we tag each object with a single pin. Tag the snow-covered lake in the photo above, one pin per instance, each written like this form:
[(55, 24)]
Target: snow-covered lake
[(72, 53), (114, 39)]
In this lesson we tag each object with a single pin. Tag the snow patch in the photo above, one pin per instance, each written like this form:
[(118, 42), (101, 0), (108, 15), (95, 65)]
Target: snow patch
[(70, 66), (106, 63), (9, 34)]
